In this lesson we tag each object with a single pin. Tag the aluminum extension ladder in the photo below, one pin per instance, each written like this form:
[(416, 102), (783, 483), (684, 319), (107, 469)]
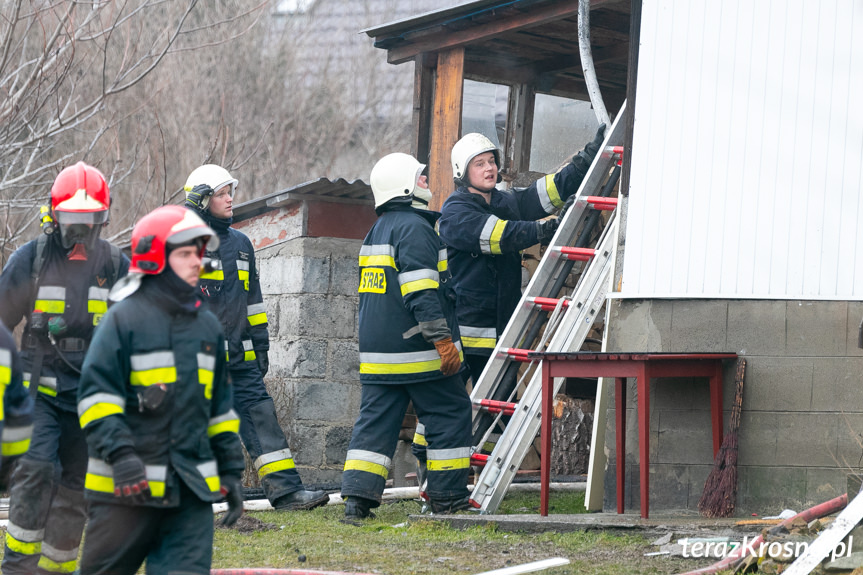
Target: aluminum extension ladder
[(566, 328)]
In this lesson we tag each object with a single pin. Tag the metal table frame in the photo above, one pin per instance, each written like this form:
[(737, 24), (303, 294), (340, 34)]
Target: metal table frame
[(643, 367)]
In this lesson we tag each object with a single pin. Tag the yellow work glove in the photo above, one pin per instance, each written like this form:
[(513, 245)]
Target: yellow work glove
[(449, 360)]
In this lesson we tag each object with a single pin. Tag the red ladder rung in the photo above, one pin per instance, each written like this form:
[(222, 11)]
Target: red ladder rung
[(517, 354), (494, 406), (601, 203), (546, 303), (478, 459), (579, 254)]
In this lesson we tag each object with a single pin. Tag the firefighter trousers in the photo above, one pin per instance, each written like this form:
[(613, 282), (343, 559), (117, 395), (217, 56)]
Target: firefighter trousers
[(174, 540), (261, 433), (47, 510), (444, 408)]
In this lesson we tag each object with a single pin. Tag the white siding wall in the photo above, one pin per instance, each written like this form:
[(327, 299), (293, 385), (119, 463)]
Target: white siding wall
[(746, 160)]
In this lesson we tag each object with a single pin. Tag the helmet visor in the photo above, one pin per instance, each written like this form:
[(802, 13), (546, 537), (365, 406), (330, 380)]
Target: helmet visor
[(87, 218), (209, 237)]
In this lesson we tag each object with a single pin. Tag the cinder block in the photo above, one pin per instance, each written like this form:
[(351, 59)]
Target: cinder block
[(680, 393), (318, 316), (307, 445), (776, 384), (325, 402), (639, 325), (787, 439), (669, 486), (824, 484), (685, 437), (316, 275), (305, 358), (282, 275), (836, 384), (337, 442), (345, 279), (769, 490), (756, 327), (344, 361), (698, 326), (816, 328)]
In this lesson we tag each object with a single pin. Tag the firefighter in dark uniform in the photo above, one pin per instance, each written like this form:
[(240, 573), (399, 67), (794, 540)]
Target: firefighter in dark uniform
[(233, 293), (485, 230), (16, 416), (409, 349), (59, 283), (157, 411)]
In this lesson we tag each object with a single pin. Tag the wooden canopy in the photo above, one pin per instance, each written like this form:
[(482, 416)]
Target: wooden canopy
[(529, 45)]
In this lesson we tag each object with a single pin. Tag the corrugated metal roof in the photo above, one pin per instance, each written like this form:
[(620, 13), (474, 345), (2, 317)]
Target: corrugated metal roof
[(385, 32), (322, 189)]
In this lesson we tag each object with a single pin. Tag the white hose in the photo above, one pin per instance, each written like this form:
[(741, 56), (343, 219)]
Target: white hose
[(587, 63), (396, 493)]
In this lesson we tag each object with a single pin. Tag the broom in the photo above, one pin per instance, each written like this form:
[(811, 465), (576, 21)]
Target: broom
[(720, 489)]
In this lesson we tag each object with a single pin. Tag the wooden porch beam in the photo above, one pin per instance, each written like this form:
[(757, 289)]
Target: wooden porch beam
[(446, 123), (424, 68)]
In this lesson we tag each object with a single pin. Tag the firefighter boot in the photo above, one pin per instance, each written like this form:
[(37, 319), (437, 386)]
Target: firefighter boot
[(302, 499), (445, 506), (30, 500), (357, 509)]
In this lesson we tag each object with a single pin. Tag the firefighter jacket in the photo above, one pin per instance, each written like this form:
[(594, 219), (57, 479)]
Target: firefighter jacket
[(16, 415), (484, 244), (234, 293), (67, 298), (155, 380), (405, 298)]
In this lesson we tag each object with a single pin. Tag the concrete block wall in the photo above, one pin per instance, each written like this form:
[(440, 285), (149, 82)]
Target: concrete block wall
[(801, 428), (310, 289)]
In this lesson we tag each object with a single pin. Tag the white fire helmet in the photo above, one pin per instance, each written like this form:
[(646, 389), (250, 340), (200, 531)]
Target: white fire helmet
[(214, 176), (395, 176), (470, 146)]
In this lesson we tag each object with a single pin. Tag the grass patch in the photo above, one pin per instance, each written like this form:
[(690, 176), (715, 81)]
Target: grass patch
[(394, 543)]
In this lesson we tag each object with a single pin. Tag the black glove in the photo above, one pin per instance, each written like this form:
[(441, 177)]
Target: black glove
[(130, 477), (584, 158), (263, 362), (196, 197), (569, 201), (233, 492), (545, 230)]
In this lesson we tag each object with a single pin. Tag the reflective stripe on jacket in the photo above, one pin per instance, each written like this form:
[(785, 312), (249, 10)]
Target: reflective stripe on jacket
[(404, 292)]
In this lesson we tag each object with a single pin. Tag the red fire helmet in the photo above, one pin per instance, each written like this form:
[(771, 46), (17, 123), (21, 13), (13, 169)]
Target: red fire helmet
[(81, 189), (167, 226)]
